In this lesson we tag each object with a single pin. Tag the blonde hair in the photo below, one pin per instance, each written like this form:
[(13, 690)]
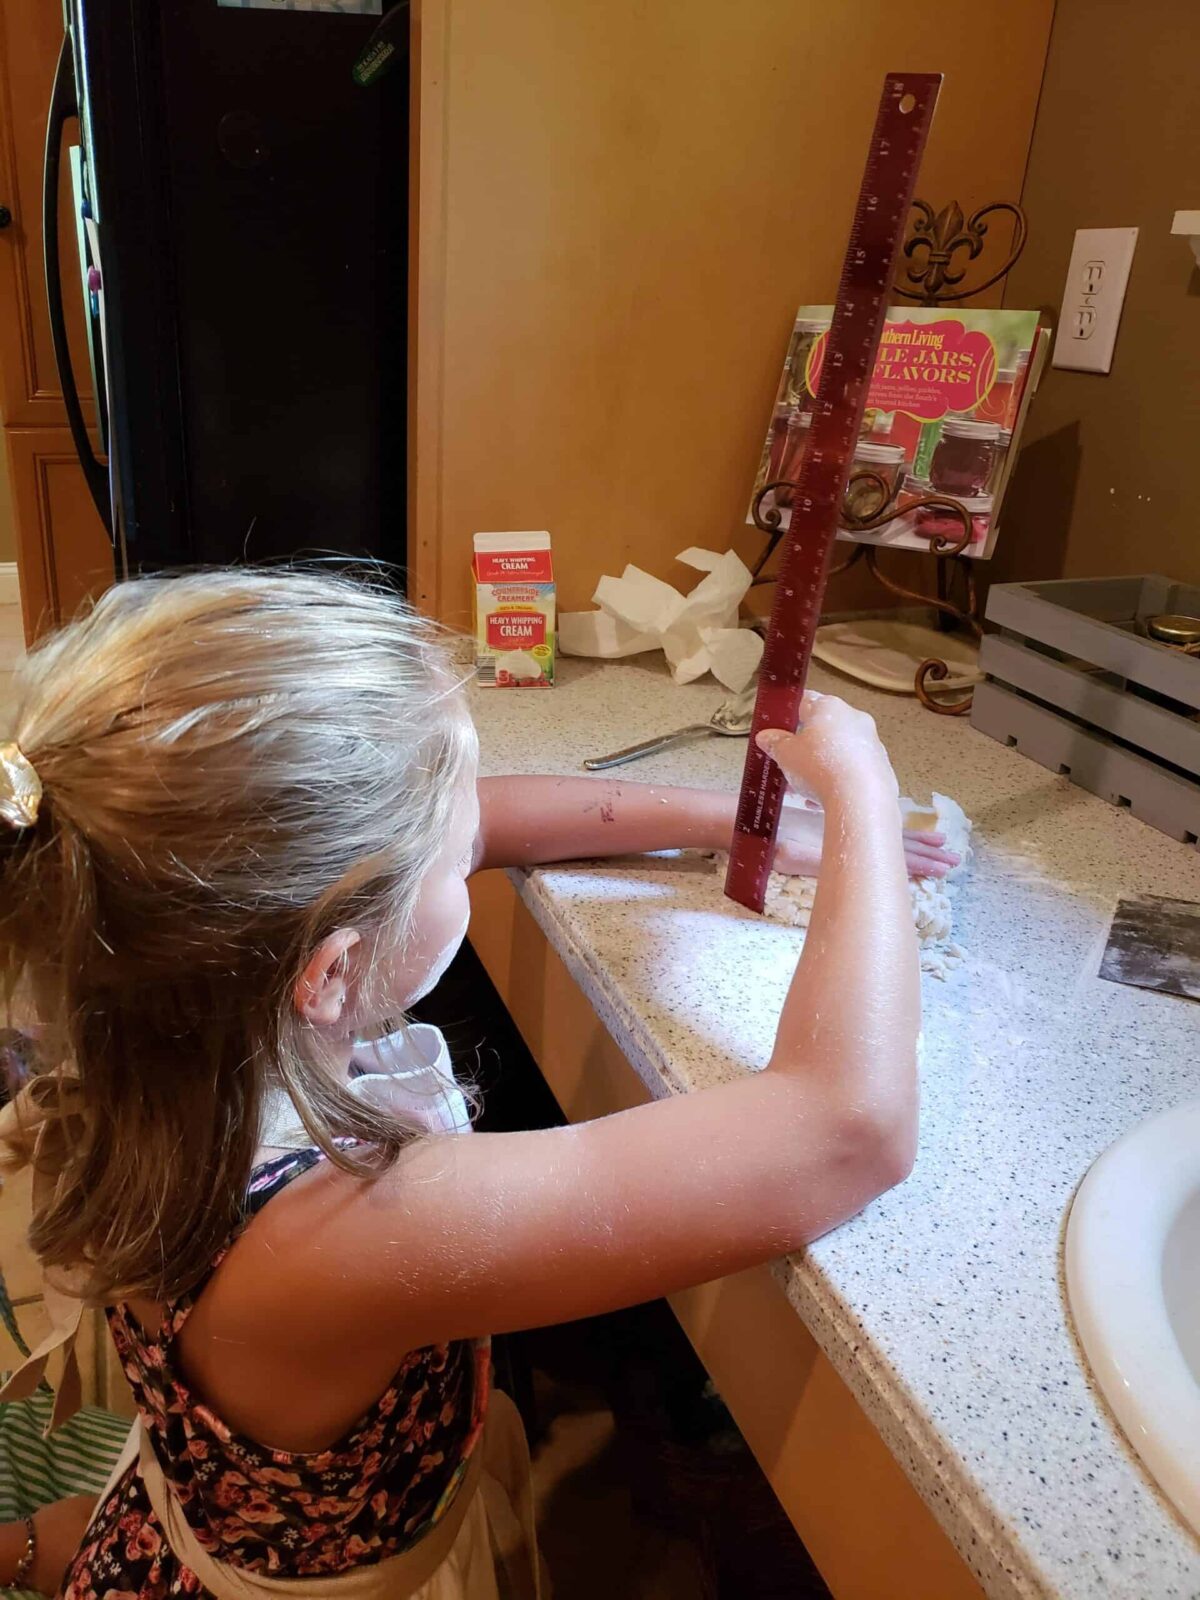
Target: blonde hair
[(233, 764)]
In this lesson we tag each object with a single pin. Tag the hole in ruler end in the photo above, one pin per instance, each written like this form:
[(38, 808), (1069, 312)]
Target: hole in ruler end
[(907, 103)]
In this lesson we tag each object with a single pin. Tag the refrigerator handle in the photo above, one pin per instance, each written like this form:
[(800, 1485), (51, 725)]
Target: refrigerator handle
[(63, 105)]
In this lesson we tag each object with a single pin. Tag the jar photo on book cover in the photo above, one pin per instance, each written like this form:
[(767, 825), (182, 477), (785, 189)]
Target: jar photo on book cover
[(805, 333), (867, 496), (794, 445), (965, 458)]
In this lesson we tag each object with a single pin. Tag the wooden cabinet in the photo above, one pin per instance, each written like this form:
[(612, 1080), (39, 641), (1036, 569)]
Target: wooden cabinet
[(63, 552), (49, 525), (618, 209)]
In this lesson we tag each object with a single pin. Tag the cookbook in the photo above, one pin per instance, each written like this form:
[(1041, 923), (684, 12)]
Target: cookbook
[(947, 401)]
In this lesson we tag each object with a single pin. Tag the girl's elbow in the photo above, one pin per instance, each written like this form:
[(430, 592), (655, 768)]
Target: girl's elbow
[(898, 1156), (868, 1156), (876, 1143), (889, 1146)]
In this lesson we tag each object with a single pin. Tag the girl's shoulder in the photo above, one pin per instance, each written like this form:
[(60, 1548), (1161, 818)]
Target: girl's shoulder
[(148, 1324)]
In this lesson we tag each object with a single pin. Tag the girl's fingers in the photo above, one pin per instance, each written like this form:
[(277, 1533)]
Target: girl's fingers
[(930, 863), (922, 847), (769, 737), (918, 868)]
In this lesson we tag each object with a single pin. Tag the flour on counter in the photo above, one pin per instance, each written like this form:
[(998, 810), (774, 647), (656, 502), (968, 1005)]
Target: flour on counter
[(790, 899)]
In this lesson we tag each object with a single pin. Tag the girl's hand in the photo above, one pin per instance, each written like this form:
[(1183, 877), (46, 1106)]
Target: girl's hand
[(834, 751), (834, 744), (802, 831)]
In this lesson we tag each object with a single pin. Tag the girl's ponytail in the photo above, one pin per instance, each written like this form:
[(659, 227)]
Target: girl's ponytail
[(228, 766)]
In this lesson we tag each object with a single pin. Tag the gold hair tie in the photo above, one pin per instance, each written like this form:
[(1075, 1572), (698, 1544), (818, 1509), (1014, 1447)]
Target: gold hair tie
[(20, 788)]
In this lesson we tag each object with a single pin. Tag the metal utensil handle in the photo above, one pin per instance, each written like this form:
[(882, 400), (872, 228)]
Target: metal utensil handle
[(64, 105), (648, 747)]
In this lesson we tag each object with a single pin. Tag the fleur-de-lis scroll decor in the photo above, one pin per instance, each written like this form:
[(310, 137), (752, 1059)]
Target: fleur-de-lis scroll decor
[(938, 238)]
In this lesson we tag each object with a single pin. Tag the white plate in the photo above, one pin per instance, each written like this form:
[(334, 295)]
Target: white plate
[(886, 654)]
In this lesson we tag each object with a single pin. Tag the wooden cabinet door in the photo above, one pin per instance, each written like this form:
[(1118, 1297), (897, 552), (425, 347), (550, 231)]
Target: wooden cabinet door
[(31, 33), (63, 552), (49, 524)]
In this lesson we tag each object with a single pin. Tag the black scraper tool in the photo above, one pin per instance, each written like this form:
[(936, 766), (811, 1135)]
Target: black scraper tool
[(1154, 943)]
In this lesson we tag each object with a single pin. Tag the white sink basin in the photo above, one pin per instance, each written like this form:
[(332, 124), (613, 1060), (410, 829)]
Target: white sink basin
[(1133, 1283)]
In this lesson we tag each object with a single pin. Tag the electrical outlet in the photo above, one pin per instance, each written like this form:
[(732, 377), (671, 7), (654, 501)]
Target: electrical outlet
[(1092, 300)]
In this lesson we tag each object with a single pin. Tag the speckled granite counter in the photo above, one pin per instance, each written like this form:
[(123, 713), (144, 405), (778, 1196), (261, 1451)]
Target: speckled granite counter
[(941, 1305)]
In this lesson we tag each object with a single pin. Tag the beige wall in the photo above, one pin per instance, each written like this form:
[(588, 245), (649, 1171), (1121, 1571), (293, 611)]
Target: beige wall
[(619, 207), (1108, 481)]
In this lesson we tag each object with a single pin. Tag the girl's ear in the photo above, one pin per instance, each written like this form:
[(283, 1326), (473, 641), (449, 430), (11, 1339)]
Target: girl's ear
[(323, 988)]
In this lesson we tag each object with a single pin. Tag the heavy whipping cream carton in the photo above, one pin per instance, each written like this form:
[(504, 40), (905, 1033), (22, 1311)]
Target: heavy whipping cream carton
[(514, 610)]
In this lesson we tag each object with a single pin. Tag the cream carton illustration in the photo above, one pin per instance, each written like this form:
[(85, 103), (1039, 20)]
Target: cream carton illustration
[(514, 610)]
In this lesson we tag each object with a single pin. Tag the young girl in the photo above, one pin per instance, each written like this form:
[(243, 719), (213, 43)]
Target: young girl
[(237, 818)]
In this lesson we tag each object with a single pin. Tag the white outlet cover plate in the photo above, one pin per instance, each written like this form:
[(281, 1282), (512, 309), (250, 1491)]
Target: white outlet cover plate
[(1093, 297)]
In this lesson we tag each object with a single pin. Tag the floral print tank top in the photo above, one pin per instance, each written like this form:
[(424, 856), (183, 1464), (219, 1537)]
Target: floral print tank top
[(369, 1496)]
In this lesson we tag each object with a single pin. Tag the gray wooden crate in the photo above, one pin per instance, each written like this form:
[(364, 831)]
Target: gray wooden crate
[(1096, 620), (1073, 684)]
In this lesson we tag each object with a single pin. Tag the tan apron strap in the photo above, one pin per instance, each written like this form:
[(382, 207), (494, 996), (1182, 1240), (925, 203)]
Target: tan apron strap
[(391, 1579), (10, 1116), (65, 1315), (507, 1491), (64, 1311)]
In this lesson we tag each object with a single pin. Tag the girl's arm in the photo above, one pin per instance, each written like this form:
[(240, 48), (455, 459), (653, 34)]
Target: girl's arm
[(524, 821), (492, 1232), (527, 820)]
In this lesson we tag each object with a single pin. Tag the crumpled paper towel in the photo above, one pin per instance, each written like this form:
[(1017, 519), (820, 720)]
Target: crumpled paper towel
[(697, 632)]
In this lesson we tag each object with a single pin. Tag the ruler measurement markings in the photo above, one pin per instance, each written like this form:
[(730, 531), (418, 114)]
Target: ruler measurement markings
[(901, 125)]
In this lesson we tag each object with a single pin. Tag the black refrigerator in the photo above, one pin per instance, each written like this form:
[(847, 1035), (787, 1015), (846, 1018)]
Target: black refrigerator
[(240, 190)]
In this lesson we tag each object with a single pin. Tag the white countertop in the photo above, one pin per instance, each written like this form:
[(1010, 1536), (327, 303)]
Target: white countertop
[(942, 1304)]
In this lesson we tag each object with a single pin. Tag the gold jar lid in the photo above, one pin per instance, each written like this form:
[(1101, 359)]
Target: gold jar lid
[(1172, 629)]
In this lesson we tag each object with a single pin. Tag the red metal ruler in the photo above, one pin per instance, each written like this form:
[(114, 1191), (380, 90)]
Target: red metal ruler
[(901, 127)]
